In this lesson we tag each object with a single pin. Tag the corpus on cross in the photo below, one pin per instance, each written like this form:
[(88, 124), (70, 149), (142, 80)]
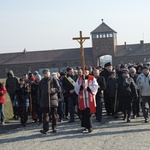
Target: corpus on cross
[(81, 40)]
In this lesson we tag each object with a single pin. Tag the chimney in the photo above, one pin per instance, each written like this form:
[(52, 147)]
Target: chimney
[(142, 43), (24, 51), (125, 45)]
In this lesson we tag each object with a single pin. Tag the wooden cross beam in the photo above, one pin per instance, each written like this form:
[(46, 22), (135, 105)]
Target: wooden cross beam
[(81, 40)]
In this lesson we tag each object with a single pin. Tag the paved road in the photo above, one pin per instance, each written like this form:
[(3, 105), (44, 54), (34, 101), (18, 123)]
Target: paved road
[(110, 135)]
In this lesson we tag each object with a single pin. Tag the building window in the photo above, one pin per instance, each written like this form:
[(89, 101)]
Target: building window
[(148, 59), (94, 36), (110, 35), (145, 59), (97, 36), (101, 36), (29, 69), (104, 35)]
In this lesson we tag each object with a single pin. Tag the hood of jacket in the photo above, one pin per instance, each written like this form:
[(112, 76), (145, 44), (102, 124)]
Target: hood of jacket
[(10, 72)]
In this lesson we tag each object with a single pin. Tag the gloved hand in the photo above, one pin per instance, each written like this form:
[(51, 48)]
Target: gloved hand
[(88, 89), (81, 87)]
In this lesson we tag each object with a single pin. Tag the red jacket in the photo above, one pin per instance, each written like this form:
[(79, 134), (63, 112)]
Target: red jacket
[(2, 92)]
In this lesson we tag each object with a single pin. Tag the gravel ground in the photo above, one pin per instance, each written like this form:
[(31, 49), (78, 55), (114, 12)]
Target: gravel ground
[(109, 135)]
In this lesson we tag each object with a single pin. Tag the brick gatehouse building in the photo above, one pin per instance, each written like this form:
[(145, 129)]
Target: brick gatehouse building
[(104, 42)]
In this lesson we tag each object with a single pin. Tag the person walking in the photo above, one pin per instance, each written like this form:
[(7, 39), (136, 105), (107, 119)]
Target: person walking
[(126, 93), (48, 100), (143, 84), (106, 74), (11, 86), (23, 100), (99, 95), (86, 90), (136, 103), (2, 101), (68, 84), (111, 87)]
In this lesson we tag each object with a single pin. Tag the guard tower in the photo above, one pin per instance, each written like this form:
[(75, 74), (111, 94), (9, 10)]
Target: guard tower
[(104, 41)]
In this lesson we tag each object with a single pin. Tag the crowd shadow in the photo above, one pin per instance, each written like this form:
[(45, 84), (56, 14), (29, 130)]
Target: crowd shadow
[(85, 135), (8, 127), (72, 130), (19, 138)]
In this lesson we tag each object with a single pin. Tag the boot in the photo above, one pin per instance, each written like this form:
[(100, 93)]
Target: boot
[(128, 120)]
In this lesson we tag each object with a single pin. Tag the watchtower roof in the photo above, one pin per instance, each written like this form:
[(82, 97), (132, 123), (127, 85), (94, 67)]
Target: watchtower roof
[(103, 28)]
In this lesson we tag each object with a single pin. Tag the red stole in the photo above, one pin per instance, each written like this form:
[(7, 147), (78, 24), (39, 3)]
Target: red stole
[(90, 98)]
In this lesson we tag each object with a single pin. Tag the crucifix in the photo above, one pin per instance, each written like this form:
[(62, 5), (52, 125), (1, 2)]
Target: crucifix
[(81, 40)]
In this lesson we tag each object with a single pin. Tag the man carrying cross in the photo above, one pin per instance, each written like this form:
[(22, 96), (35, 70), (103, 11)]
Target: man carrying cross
[(86, 88)]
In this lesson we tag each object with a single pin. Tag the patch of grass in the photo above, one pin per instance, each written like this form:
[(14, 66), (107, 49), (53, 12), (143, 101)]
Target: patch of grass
[(8, 108)]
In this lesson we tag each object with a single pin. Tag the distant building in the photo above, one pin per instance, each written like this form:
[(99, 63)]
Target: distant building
[(104, 42)]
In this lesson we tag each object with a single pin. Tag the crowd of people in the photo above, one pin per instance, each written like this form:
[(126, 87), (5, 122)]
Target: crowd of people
[(60, 96)]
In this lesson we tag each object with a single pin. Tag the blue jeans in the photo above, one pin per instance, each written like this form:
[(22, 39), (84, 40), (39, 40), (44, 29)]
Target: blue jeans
[(14, 104), (2, 112)]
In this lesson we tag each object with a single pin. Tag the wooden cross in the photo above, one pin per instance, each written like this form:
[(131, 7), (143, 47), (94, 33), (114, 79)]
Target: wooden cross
[(81, 40)]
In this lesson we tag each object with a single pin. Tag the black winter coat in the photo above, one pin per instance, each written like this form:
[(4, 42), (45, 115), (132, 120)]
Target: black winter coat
[(67, 86), (134, 78), (11, 83), (126, 87), (106, 74), (102, 85), (23, 95), (111, 86), (34, 92), (44, 95)]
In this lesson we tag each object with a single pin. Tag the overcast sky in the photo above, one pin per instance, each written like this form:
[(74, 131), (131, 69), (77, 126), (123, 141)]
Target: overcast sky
[(51, 24)]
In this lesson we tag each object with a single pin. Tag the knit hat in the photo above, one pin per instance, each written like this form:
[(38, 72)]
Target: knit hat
[(122, 66), (38, 77), (86, 68), (108, 64), (68, 69), (145, 67), (36, 72), (125, 71)]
